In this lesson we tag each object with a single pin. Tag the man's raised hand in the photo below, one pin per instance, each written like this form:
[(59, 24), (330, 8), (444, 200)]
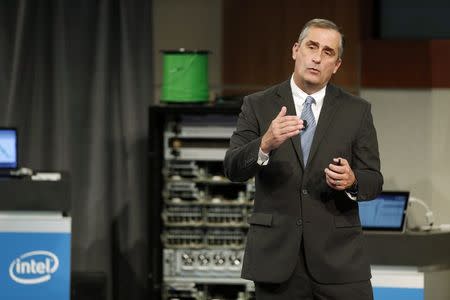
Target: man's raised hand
[(281, 128)]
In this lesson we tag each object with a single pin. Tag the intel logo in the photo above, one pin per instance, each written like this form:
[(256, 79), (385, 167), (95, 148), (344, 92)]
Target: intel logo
[(33, 267)]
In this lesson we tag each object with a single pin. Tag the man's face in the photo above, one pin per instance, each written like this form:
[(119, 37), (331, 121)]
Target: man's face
[(316, 58)]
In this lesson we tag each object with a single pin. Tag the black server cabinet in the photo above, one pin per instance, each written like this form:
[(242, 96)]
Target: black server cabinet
[(197, 217)]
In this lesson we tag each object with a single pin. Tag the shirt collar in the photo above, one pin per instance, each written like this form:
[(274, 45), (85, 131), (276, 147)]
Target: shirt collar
[(298, 93)]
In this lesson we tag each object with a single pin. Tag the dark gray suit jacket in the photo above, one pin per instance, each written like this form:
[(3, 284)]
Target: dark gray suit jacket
[(293, 202)]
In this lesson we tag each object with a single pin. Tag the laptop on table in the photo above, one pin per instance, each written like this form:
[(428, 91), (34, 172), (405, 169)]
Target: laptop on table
[(386, 213)]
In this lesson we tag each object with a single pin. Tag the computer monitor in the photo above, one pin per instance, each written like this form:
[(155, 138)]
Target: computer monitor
[(8, 149), (386, 213)]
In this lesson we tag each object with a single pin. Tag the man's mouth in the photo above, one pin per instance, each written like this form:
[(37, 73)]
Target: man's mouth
[(314, 70)]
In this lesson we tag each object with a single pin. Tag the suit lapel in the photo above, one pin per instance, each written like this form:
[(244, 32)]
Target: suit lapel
[(285, 99), (326, 116)]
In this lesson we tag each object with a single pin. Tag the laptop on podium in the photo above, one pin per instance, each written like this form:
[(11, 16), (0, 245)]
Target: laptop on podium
[(8, 150)]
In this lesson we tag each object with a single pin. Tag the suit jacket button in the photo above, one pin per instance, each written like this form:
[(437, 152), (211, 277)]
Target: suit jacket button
[(305, 192), (299, 222)]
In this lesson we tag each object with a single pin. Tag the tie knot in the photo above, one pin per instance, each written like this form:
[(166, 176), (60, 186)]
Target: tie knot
[(309, 100)]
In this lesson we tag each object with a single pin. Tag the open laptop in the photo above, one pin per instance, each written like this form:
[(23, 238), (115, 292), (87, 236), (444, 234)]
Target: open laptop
[(386, 213), (8, 150)]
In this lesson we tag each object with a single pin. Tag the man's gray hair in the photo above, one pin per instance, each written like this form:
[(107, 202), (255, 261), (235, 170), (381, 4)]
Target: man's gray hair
[(326, 24)]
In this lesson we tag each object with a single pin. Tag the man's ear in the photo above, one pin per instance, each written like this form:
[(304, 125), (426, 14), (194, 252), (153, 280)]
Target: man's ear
[(338, 64), (295, 50)]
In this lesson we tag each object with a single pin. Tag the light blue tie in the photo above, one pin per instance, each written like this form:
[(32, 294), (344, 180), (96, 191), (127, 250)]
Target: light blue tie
[(307, 133)]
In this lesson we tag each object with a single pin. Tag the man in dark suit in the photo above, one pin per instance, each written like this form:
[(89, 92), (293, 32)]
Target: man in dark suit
[(313, 151)]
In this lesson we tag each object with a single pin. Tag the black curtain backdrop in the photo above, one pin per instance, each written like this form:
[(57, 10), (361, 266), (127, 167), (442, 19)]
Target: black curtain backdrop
[(76, 80)]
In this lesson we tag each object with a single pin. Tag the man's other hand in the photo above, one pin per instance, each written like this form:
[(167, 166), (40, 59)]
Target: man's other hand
[(339, 175)]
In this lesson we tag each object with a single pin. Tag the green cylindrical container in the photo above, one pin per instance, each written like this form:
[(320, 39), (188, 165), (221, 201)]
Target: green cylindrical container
[(185, 76)]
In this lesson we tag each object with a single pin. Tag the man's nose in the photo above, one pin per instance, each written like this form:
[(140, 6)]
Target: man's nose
[(316, 58)]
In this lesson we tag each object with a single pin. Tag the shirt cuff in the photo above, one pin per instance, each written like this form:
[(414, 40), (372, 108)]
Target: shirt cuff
[(263, 158), (352, 192), (352, 197)]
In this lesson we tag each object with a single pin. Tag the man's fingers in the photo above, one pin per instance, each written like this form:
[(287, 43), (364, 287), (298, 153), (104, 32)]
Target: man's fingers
[(330, 174), (293, 133), (332, 185), (283, 137), (289, 118), (336, 168), (289, 123), (287, 134), (288, 129), (334, 175), (282, 112), (336, 180)]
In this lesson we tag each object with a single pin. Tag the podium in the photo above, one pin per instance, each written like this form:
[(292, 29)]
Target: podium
[(35, 234), (35, 256)]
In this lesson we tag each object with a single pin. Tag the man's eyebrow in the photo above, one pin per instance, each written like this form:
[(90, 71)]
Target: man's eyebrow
[(318, 44), (312, 42)]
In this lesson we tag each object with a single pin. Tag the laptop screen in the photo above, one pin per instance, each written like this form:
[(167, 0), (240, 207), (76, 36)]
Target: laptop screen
[(8, 148), (387, 212)]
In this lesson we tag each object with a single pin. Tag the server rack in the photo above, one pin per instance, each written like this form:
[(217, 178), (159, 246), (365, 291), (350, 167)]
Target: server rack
[(198, 218)]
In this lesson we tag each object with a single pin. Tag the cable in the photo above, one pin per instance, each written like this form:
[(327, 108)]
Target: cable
[(429, 214), (21, 172)]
